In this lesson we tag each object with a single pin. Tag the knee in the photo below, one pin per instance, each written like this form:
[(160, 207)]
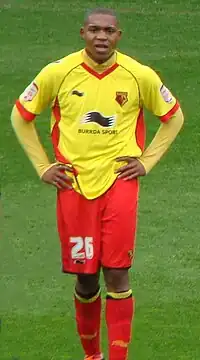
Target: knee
[(87, 284), (116, 280)]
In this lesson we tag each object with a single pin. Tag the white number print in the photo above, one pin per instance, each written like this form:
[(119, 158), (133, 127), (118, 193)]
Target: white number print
[(82, 248)]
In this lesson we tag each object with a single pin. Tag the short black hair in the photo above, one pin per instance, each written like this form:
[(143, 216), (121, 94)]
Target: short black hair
[(104, 11)]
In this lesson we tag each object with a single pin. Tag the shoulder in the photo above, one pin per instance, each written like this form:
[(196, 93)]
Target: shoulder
[(137, 69), (64, 65)]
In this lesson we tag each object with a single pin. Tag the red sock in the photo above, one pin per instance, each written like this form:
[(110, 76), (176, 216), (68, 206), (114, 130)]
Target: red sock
[(88, 318), (119, 315)]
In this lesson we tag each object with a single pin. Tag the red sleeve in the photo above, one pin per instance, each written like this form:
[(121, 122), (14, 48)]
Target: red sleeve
[(27, 115), (170, 113)]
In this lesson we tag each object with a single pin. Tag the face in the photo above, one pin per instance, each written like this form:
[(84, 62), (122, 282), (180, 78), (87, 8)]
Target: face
[(101, 35)]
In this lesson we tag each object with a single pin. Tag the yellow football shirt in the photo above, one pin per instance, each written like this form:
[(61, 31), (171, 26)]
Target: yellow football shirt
[(96, 117)]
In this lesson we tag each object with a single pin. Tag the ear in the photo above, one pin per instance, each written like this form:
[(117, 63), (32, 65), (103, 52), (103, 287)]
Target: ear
[(119, 34), (82, 33)]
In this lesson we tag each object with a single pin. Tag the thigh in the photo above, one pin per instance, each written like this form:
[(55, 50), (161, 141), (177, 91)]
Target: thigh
[(79, 230), (119, 224)]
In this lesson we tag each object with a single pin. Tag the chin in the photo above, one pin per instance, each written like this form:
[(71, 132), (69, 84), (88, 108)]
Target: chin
[(101, 57)]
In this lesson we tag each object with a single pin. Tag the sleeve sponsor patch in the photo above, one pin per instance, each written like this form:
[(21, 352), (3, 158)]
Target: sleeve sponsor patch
[(30, 92), (166, 94)]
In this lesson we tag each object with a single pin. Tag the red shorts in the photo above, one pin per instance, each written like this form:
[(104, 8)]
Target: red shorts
[(98, 232)]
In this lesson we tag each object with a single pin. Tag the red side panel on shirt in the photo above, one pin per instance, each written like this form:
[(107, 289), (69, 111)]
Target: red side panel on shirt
[(55, 134), (140, 131)]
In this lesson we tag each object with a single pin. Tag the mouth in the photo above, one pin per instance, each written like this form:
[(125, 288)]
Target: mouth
[(101, 48)]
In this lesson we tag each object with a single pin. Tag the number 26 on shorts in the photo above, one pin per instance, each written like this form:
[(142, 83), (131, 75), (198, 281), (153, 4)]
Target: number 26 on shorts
[(82, 248)]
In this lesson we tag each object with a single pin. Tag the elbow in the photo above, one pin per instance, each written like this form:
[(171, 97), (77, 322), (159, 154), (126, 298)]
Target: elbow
[(13, 115), (181, 116), (14, 112), (17, 121), (177, 120)]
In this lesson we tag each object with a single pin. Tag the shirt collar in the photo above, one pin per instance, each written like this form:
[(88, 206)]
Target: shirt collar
[(99, 67)]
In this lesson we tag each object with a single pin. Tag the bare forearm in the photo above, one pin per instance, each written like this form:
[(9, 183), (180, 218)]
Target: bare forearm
[(28, 138), (165, 135)]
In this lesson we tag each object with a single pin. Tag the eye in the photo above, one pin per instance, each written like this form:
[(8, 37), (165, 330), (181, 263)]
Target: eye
[(93, 30), (111, 31)]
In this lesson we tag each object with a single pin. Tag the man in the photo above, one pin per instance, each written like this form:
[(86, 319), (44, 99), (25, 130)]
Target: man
[(97, 97)]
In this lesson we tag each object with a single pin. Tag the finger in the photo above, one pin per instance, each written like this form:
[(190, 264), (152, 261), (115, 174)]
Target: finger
[(124, 158), (126, 167), (131, 177), (54, 183), (65, 168), (128, 173), (62, 183), (63, 176), (60, 186)]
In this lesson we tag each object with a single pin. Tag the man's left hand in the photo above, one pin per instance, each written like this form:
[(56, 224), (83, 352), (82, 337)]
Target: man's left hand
[(132, 170)]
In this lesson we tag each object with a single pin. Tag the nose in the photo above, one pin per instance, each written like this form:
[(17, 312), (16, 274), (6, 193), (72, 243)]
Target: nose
[(101, 35)]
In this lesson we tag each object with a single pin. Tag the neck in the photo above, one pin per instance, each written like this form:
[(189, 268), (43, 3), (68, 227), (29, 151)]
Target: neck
[(97, 60)]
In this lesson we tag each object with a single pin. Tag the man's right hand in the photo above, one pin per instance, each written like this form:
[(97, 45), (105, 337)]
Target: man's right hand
[(56, 176)]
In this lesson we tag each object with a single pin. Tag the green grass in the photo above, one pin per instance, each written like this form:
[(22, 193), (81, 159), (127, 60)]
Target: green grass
[(37, 316)]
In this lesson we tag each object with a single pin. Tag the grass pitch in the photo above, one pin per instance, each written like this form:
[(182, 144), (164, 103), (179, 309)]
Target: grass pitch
[(37, 315)]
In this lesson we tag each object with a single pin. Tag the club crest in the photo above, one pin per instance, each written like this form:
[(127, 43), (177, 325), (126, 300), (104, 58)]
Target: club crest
[(121, 97)]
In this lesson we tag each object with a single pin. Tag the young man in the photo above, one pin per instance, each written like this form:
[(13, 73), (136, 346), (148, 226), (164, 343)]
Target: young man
[(97, 97)]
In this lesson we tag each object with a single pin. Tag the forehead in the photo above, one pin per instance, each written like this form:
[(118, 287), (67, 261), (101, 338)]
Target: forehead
[(103, 20)]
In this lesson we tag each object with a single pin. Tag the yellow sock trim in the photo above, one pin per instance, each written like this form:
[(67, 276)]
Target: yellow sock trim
[(122, 295), (83, 300), (88, 337), (120, 343)]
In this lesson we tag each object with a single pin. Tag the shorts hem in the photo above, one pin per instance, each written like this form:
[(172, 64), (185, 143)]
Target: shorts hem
[(78, 272), (116, 267)]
